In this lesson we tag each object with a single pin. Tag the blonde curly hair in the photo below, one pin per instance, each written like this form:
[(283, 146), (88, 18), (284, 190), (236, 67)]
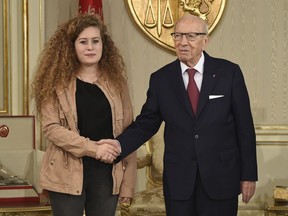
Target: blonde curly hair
[(58, 64)]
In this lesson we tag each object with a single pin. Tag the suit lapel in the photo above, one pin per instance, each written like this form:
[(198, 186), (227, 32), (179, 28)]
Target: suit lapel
[(176, 81), (209, 79)]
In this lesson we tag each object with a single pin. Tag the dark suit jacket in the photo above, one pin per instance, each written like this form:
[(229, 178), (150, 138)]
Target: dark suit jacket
[(219, 141)]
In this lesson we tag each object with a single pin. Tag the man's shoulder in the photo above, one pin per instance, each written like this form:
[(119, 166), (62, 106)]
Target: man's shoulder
[(218, 60), (174, 65)]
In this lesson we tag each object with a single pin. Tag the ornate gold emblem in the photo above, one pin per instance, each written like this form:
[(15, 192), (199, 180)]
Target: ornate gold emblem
[(156, 18)]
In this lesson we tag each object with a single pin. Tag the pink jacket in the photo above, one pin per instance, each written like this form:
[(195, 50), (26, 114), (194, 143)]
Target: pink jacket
[(62, 168)]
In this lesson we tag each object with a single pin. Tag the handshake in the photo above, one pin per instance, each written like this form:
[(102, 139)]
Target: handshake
[(108, 150)]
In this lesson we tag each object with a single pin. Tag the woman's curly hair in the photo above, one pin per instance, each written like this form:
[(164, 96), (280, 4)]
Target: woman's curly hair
[(58, 64)]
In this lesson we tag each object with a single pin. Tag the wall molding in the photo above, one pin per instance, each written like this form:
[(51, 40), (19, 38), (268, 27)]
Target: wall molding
[(4, 107)]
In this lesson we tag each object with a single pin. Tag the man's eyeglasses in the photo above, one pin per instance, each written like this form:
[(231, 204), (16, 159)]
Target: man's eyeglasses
[(190, 36)]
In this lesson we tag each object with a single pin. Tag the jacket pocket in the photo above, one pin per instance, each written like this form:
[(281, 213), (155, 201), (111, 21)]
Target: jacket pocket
[(228, 154), (171, 158), (59, 168), (62, 118)]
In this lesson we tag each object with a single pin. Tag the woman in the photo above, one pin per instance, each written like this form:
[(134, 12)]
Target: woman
[(81, 95)]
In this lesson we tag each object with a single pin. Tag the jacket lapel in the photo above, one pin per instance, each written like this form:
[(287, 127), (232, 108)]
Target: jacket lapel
[(209, 79), (176, 81)]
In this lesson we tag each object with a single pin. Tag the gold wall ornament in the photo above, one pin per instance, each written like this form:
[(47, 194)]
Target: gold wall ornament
[(156, 18), (4, 131)]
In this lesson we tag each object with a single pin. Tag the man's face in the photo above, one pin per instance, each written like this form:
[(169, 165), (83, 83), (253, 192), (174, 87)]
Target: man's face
[(188, 51)]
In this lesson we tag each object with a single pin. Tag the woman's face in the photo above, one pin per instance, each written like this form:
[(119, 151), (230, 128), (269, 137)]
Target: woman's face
[(89, 46)]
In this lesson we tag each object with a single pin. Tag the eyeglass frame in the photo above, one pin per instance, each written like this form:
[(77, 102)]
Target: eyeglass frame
[(195, 35)]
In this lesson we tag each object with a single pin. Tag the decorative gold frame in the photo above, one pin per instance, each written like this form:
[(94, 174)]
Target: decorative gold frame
[(6, 73), (25, 57), (4, 108)]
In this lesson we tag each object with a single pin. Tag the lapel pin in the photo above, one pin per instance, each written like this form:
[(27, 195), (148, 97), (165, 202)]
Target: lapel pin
[(214, 75)]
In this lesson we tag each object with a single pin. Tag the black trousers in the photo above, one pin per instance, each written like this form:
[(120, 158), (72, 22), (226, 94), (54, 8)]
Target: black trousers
[(96, 198), (200, 204)]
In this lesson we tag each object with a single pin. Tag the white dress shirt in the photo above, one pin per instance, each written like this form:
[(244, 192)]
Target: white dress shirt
[(198, 76)]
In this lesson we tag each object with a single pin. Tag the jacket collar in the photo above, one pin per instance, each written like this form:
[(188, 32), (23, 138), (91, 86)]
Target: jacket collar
[(209, 79)]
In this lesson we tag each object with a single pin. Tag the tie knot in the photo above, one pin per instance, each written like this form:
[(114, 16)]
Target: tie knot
[(191, 71)]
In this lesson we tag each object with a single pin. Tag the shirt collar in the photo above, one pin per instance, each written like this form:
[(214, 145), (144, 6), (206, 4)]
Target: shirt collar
[(199, 66)]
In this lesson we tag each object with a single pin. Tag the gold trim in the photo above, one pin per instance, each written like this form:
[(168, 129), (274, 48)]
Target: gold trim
[(25, 59), (41, 24), (6, 62), (10, 101), (26, 209), (272, 135), (216, 21), (271, 127), (272, 143)]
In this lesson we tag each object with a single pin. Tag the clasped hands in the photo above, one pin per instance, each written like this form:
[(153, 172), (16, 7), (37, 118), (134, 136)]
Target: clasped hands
[(108, 150)]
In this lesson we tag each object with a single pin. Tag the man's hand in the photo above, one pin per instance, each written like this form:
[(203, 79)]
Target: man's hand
[(247, 190), (108, 150), (126, 200)]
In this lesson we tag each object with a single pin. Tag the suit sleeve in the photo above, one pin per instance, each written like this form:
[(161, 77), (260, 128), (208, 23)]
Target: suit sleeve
[(246, 138), (146, 124)]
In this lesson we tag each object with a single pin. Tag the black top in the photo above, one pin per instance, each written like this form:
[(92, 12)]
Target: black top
[(94, 112)]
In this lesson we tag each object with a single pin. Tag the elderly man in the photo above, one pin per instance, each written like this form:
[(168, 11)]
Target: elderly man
[(210, 147)]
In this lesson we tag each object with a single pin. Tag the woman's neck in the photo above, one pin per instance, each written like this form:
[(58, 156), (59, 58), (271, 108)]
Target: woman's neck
[(89, 74)]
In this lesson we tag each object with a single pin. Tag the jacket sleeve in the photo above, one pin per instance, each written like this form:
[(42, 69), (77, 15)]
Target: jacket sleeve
[(130, 162), (57, 131), (245, 128)]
